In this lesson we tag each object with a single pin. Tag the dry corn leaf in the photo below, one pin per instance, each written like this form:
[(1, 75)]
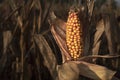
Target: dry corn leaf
[(72, 69), (108, 35), (97, 36), (46, 7), (90, 5), (3, 61), (7, 37), (48, 56), (112, 33)]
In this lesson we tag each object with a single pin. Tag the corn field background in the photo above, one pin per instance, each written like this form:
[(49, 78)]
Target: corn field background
[(33, 46)]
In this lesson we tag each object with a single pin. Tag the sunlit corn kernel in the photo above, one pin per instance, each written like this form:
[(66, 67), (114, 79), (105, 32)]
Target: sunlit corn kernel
[(70, 29), (75, 44), (74, 25), (75, 39), (72, 54), (72, 43), (71, 36), (72, 33), (77, 34), (76, 20), (75, 57), (74, 28), (78, 55), (71, 40), (77, 47), (73, 47), (75, 53)]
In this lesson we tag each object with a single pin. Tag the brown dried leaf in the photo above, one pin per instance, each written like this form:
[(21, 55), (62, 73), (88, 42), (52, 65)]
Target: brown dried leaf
[(39, 16), (90, 5), (72, 69), (3, 61), (47, 54), (97, 36), (7, 37), (47, 6), (108, 33)]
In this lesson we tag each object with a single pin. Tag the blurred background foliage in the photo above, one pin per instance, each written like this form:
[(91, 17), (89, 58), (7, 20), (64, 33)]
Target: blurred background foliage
[(28, 50)]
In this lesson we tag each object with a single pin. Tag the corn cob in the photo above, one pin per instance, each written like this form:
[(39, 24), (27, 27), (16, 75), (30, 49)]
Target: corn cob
[(74, 35)]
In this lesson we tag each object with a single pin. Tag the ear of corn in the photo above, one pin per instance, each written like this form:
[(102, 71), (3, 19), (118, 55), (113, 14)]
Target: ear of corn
[(74, 36)]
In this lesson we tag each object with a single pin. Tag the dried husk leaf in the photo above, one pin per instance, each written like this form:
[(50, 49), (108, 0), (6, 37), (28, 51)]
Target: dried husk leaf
[(58, 28), (72, 69)]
